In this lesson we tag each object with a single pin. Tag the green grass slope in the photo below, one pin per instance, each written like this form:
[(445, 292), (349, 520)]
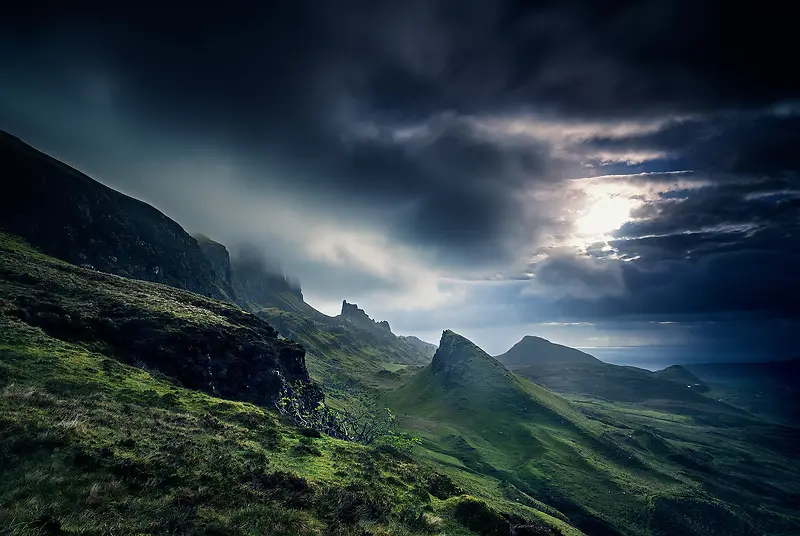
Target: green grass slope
[(481, 423), (350, 362), (202, 343), (569, 371), (91, 445)]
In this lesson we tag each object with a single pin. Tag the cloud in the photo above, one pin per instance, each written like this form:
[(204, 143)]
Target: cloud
[(572, 276), (490, 162)]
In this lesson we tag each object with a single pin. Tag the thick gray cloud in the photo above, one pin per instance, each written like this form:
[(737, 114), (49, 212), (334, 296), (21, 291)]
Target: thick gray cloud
[(396, 154)]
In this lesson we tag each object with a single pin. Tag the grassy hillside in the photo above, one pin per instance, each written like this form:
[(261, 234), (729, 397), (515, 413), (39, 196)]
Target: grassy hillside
[(572, 372), (203, 344), (609, 469), (91, 445), (350, 362)]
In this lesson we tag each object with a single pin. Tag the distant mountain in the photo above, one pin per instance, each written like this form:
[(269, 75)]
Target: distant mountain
[(570, 371), (424, 348), (537, 349), (678, 374), (72, 217)]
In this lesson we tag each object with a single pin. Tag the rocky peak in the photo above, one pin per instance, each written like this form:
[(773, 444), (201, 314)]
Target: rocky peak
[(459, 361), (354, 313)]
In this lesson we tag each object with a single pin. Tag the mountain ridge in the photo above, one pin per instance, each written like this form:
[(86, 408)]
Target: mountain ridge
[(69, 215)]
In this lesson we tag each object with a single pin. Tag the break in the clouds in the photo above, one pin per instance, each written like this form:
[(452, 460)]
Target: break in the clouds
[(487, 166)]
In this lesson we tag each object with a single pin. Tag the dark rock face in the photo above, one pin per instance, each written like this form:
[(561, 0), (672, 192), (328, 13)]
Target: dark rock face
[(458, 362), (200, 343), (68, 215), (452, 357), (217, 254), (360, 318)]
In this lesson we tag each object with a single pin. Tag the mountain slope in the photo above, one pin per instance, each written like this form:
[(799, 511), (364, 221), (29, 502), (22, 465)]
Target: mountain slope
[(203, 344), (569, 371), (68, 215), (606, 469), (678, 374), (352, 362), (532, 350), (425, 348), (92, 445)]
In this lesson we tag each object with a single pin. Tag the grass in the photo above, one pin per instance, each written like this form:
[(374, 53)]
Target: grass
[(111, 422), (351, 363), (609, 468), (92, 445)]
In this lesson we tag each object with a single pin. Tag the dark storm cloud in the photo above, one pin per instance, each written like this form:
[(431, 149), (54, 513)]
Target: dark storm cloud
[(742, 143), (366, 112), (754, 282), (731, 246)]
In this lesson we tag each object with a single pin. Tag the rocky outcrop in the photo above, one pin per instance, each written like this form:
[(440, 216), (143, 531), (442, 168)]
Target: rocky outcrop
[(217, 254), (356, 315), (200, 343), (68, 215), (458, 362)]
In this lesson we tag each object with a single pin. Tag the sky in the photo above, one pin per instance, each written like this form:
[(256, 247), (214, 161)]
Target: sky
[(602, 174)]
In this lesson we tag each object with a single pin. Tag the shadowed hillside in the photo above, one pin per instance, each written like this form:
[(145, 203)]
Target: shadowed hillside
[(68, 215), (771, 390)]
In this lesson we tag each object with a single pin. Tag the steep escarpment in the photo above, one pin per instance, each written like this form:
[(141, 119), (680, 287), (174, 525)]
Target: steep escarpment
[(68, 215), (459, 363), (202, 344), (353, 313), (220, 259)]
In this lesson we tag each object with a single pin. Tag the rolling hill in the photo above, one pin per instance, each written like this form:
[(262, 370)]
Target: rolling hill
[(572, 372), (606, 468), (770, 390)]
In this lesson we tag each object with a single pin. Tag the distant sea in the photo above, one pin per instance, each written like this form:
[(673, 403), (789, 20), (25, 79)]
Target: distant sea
[(659, 357)]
